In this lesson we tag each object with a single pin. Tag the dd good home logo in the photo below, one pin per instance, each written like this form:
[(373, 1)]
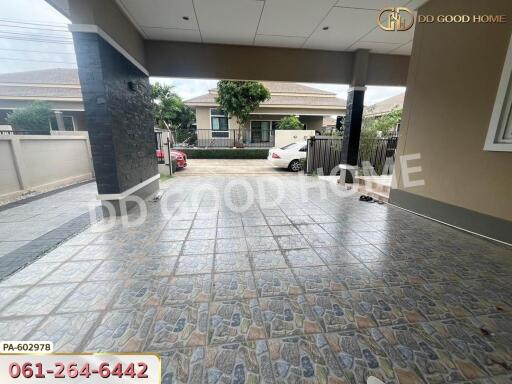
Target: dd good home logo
[(396, 19)]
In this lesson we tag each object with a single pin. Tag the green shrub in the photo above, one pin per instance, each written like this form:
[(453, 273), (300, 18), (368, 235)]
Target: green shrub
[(290, 122), (35, 117), (226, 153)]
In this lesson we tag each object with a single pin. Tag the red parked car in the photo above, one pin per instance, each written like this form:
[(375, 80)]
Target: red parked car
[(180, 157), (177, 157)]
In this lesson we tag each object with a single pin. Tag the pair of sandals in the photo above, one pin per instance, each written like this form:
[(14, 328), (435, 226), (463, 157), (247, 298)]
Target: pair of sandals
[(369, 199)]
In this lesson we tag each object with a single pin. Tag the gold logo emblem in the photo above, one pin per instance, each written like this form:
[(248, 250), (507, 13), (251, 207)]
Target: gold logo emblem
[(396, 19)]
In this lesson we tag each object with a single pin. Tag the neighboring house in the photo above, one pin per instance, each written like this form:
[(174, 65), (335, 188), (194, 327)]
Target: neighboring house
[(385, 106), (59, 87), (311, 105)]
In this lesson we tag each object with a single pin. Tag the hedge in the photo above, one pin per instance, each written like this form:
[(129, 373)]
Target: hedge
[(225, 153)]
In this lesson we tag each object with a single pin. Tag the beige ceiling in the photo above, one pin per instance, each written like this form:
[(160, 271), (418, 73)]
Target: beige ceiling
[(275, 23)]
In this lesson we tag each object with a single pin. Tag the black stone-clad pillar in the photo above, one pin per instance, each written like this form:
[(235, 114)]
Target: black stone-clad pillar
[(352, 131), (119, 118)]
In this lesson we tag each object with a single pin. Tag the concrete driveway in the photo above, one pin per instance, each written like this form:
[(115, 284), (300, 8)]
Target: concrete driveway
[(198, 167)]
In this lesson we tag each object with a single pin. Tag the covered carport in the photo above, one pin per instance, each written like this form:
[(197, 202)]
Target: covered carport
[(119, 44)]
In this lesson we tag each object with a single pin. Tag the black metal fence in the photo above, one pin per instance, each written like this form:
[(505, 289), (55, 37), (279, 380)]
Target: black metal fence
[(206, 138), (324, 155), (378, 154)]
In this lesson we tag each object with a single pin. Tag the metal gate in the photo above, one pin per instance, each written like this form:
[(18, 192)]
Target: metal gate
[(324, 155)]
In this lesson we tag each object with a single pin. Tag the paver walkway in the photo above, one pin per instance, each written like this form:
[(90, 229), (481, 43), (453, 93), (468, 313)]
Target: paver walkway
[(30, 228), (211, 167), (305, 288)]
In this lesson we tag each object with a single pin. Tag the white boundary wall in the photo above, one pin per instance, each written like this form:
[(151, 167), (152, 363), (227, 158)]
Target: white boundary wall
[(288, 136), (37, 163)]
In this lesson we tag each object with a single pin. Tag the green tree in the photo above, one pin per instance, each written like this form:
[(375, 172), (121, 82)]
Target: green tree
[(380, 126), (240, 98), (290, 122), (171, 112), (35, 117)]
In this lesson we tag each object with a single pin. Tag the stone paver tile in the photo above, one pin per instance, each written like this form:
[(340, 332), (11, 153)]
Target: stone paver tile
[(318, 279), (70, 272), (253, 221), (301, 219), (111, 270), (141, 293), (283, 230), (394, 273), (30, 275), (66, 331), (171, 234), (359, 355), (424, 348), (231, 245), (276, 282), (417, 304), (39, 300), (198, 247), (321, 240), (178, 224), (233, 261), (292, 242), (178, 326), (82, 239), (229, 222), (459, 301), (94, 252), (183, 365), (122, 331), (202, 233), (270, 259), (17, 329), (335, 228), (333, 310), (235, 321), (335, 255), (278, 220), (261, 230), (190, 265), (204, 223), (154, 266), (9, 293), (288, 315), (261, 243), (165, 248), (304, 359), (302, 258), (374, 308), (188, 289), (61, 253), (367, 253), (233, 285), (356, 276), (310, 228), (350, 238), (247, 362), (230, 232), (93, 296), (493, 291)]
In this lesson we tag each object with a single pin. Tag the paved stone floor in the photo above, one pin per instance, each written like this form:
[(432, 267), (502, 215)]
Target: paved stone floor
[(31, 227), (305, 287)]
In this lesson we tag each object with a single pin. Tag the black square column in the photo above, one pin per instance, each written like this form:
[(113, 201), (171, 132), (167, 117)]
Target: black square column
[(352, 130), (119, 117)]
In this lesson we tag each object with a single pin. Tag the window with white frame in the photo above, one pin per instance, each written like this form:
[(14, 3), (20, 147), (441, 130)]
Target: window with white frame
[(499, 135), (219, 122)]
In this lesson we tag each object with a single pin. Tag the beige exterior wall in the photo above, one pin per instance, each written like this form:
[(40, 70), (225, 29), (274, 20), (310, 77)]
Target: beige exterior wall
[(39, 163), (285, 137), (240, 62), (452, 83)]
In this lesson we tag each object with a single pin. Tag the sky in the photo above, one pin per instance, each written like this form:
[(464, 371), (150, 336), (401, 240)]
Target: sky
[(34, 36)]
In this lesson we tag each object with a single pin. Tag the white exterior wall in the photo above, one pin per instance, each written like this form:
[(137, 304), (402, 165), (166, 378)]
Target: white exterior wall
[(42, 162), (285, 136)]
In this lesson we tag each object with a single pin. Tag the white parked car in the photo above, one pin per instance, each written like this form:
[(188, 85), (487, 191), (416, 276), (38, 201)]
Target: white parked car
[(288, 156)]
